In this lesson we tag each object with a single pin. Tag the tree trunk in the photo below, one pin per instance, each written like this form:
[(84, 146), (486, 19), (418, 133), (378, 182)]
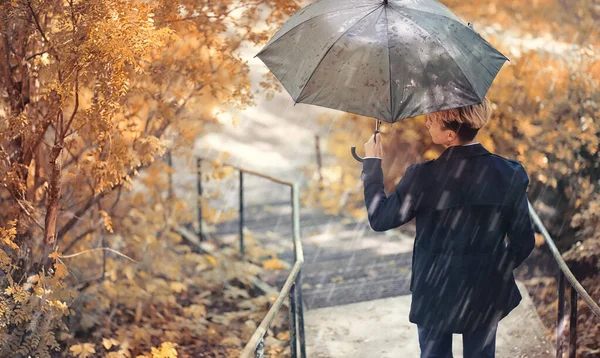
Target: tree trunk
[(53, 201)]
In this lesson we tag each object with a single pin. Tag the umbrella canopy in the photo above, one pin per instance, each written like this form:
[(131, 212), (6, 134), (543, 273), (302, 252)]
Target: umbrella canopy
[(388, 60)]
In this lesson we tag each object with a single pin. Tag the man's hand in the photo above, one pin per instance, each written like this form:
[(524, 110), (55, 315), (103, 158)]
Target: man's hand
[(373, 149)]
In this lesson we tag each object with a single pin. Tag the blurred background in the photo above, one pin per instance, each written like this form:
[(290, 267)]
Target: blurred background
[(107, 105)]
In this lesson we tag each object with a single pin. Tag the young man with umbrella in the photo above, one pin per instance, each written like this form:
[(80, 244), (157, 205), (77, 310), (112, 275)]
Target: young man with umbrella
[(465, 203), (392, 60)]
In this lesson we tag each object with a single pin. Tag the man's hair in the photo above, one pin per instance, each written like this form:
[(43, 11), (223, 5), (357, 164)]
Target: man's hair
[(465, 121)]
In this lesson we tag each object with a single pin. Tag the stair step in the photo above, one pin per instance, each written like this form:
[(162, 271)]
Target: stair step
[(325, 272), (314, 254), (344, 265), (307, 229), (336, 294)]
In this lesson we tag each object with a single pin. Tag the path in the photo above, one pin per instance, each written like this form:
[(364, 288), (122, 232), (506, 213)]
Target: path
[(381, 329), (355, 288)]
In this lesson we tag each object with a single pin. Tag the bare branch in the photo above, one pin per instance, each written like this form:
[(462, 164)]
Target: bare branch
[(23, 208), (91, 201), (12, 68), (75, 109), (98, 249), (37, 22)]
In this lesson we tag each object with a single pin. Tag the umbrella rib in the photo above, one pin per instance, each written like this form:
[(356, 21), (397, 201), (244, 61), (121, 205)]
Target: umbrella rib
[(305, 21), (445, 49), (327, 52), (387, 29), (458, 22)]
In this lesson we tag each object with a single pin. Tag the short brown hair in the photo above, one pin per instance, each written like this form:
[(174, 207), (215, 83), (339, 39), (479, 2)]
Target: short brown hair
[(465, 121)]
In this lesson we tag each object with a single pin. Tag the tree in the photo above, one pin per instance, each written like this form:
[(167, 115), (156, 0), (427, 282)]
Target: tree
[(91, 93)]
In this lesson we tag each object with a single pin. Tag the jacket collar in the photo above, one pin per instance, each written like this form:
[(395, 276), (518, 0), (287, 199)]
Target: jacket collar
[(464, 151)]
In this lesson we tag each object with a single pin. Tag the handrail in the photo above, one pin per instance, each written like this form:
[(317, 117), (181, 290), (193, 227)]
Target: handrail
[(255, 173), (576, 291), (563, 265), (293, 284), (258, 336), (291, 288)]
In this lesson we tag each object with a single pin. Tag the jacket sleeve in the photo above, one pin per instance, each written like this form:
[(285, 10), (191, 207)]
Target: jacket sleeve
[(520, 230), (387, 212)]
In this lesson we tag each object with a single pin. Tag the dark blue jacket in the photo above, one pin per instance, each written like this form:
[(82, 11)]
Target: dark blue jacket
[(465, 203)]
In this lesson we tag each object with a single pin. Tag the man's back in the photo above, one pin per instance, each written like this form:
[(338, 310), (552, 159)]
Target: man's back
[(465, 200), (465, 203)]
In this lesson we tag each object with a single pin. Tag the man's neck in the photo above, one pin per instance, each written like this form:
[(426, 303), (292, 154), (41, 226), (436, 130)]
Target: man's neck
[(463, 144)]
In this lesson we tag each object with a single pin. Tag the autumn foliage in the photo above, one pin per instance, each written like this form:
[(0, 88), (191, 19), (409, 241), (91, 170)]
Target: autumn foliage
[(91, 94)]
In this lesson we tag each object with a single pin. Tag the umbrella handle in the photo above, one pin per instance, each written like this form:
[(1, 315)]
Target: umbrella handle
[(356, 156), (353, 149)]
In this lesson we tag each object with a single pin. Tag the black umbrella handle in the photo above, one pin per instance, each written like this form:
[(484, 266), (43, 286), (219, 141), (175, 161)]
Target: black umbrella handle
[(353, 149), (356, 156)]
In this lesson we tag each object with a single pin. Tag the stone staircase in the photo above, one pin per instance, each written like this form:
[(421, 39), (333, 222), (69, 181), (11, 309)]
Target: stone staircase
[(345, 261), (356, 287)]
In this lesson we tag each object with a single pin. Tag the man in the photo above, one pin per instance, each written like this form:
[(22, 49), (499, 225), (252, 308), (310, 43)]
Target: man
[(465, 203)]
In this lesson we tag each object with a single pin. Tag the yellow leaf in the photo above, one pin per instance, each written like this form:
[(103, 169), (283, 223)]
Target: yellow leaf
[(196, 311), (9, 291), (178, 287), (107, 221), (60, 270), (273, 264), (284, 336), (211, 259), (83, 350), (108, 343), (166, 350), (539, 240)]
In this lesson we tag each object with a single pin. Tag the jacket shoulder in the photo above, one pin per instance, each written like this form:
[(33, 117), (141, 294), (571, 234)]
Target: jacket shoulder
[(510, 165), (422, 164), (508, 161), (417, 168)]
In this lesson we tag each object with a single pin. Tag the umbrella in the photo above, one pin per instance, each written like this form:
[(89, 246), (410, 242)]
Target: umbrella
[(388, 60)]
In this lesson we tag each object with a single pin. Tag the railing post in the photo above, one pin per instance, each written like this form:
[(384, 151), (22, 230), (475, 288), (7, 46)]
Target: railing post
[(242, 248), (560, 315), (293, 347), (300, 310), (260, 349), (298, 255), (200, 192), (573, 325)]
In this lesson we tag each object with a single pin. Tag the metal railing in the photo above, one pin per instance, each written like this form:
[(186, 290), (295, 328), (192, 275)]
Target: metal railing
[(576, 291), (293, 284)]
